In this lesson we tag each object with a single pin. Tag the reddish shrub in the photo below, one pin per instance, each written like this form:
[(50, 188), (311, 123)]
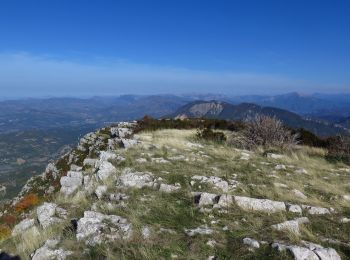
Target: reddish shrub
[(5, 232), (27, 202), (9, 219)]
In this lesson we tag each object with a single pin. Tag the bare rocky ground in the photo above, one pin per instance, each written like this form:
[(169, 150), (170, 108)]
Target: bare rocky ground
[(166, 195)]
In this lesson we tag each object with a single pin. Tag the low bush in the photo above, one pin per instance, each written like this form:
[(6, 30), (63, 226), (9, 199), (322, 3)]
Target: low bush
[(5, 232), (151, 124), (210, 135), (339, 149), (27, 202), (9, 219), (266, 132)]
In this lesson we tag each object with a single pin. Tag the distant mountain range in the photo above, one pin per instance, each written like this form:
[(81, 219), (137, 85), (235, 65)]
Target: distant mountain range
[(334, 106), (227, 111)]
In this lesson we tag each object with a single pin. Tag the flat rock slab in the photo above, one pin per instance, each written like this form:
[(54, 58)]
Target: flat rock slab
[(265, 205)]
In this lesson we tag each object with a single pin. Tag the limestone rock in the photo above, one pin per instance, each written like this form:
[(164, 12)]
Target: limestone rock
[(294, 208), (106, 169), (316, 210), (265, 205), (280, 167), (48, 251), (96, 228), (275, 156), (46, 214), (136, 179), (299, 194), (203, 230), (252, 243), (301, 171), (71, 182), (101, 191), (205, 198), (217, 182), (23, 226), (169, 188), (291, 225), (225, 200), (127, 143)]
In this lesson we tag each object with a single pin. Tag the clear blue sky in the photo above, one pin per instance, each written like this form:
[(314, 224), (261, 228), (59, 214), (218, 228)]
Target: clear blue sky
[(71, 47)]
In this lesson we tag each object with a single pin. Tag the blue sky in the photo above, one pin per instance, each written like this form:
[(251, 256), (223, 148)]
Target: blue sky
[(75, 47)]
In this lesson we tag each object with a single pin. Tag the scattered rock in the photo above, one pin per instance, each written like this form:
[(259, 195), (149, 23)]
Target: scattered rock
[(225, 200), (294, 208), (345, 220), (280, 167), (316, 210), (71, 182), (96, 228), (203, 230), (204, 198), (211, 243), (48, 251), (217, 182), (291, 225), (275, 156), (311, 251), (127, 143), (146, 232), (299, 194), (159, 160), (101, 191), (46, 214), (346, 197), (136, 179), (106, 169), (90, 162), (280, 185), (252, 243), (301, 171), (169, 188), (23, 226), (141, 160), (265, 205)]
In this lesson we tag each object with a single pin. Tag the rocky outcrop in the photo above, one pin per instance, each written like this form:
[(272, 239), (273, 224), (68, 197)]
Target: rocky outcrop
[(50, 251), (47, 214), (71, 182), (309, 251), (96, 228), (23, 226), (291, 225), (265, 205), (136, 179)]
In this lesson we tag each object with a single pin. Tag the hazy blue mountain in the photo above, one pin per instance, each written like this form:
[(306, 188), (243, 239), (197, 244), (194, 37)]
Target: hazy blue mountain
[(224, 110), (316, 105)]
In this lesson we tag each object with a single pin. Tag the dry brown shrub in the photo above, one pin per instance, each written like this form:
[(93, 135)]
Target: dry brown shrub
[(27, 202), (267, 132)]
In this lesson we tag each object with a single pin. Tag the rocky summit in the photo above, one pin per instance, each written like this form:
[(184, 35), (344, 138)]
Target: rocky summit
[(165, 194)]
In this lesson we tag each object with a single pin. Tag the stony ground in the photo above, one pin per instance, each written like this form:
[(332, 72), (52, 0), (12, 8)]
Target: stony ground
[(166, 195)]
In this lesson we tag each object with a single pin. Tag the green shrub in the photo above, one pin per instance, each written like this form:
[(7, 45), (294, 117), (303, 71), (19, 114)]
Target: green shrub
[(209, 135), (339, 149)]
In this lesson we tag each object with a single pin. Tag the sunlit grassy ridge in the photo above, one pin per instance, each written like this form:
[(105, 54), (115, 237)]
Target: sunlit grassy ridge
[(174, 157)]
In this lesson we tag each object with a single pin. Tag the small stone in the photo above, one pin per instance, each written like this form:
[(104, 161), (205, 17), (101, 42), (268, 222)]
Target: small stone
[(23, 226), (264, 205), (252, 243), (294, 208), (299, 194), (275, 156), (146, 232), (101, 191), (301, 171), (280, 167)]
